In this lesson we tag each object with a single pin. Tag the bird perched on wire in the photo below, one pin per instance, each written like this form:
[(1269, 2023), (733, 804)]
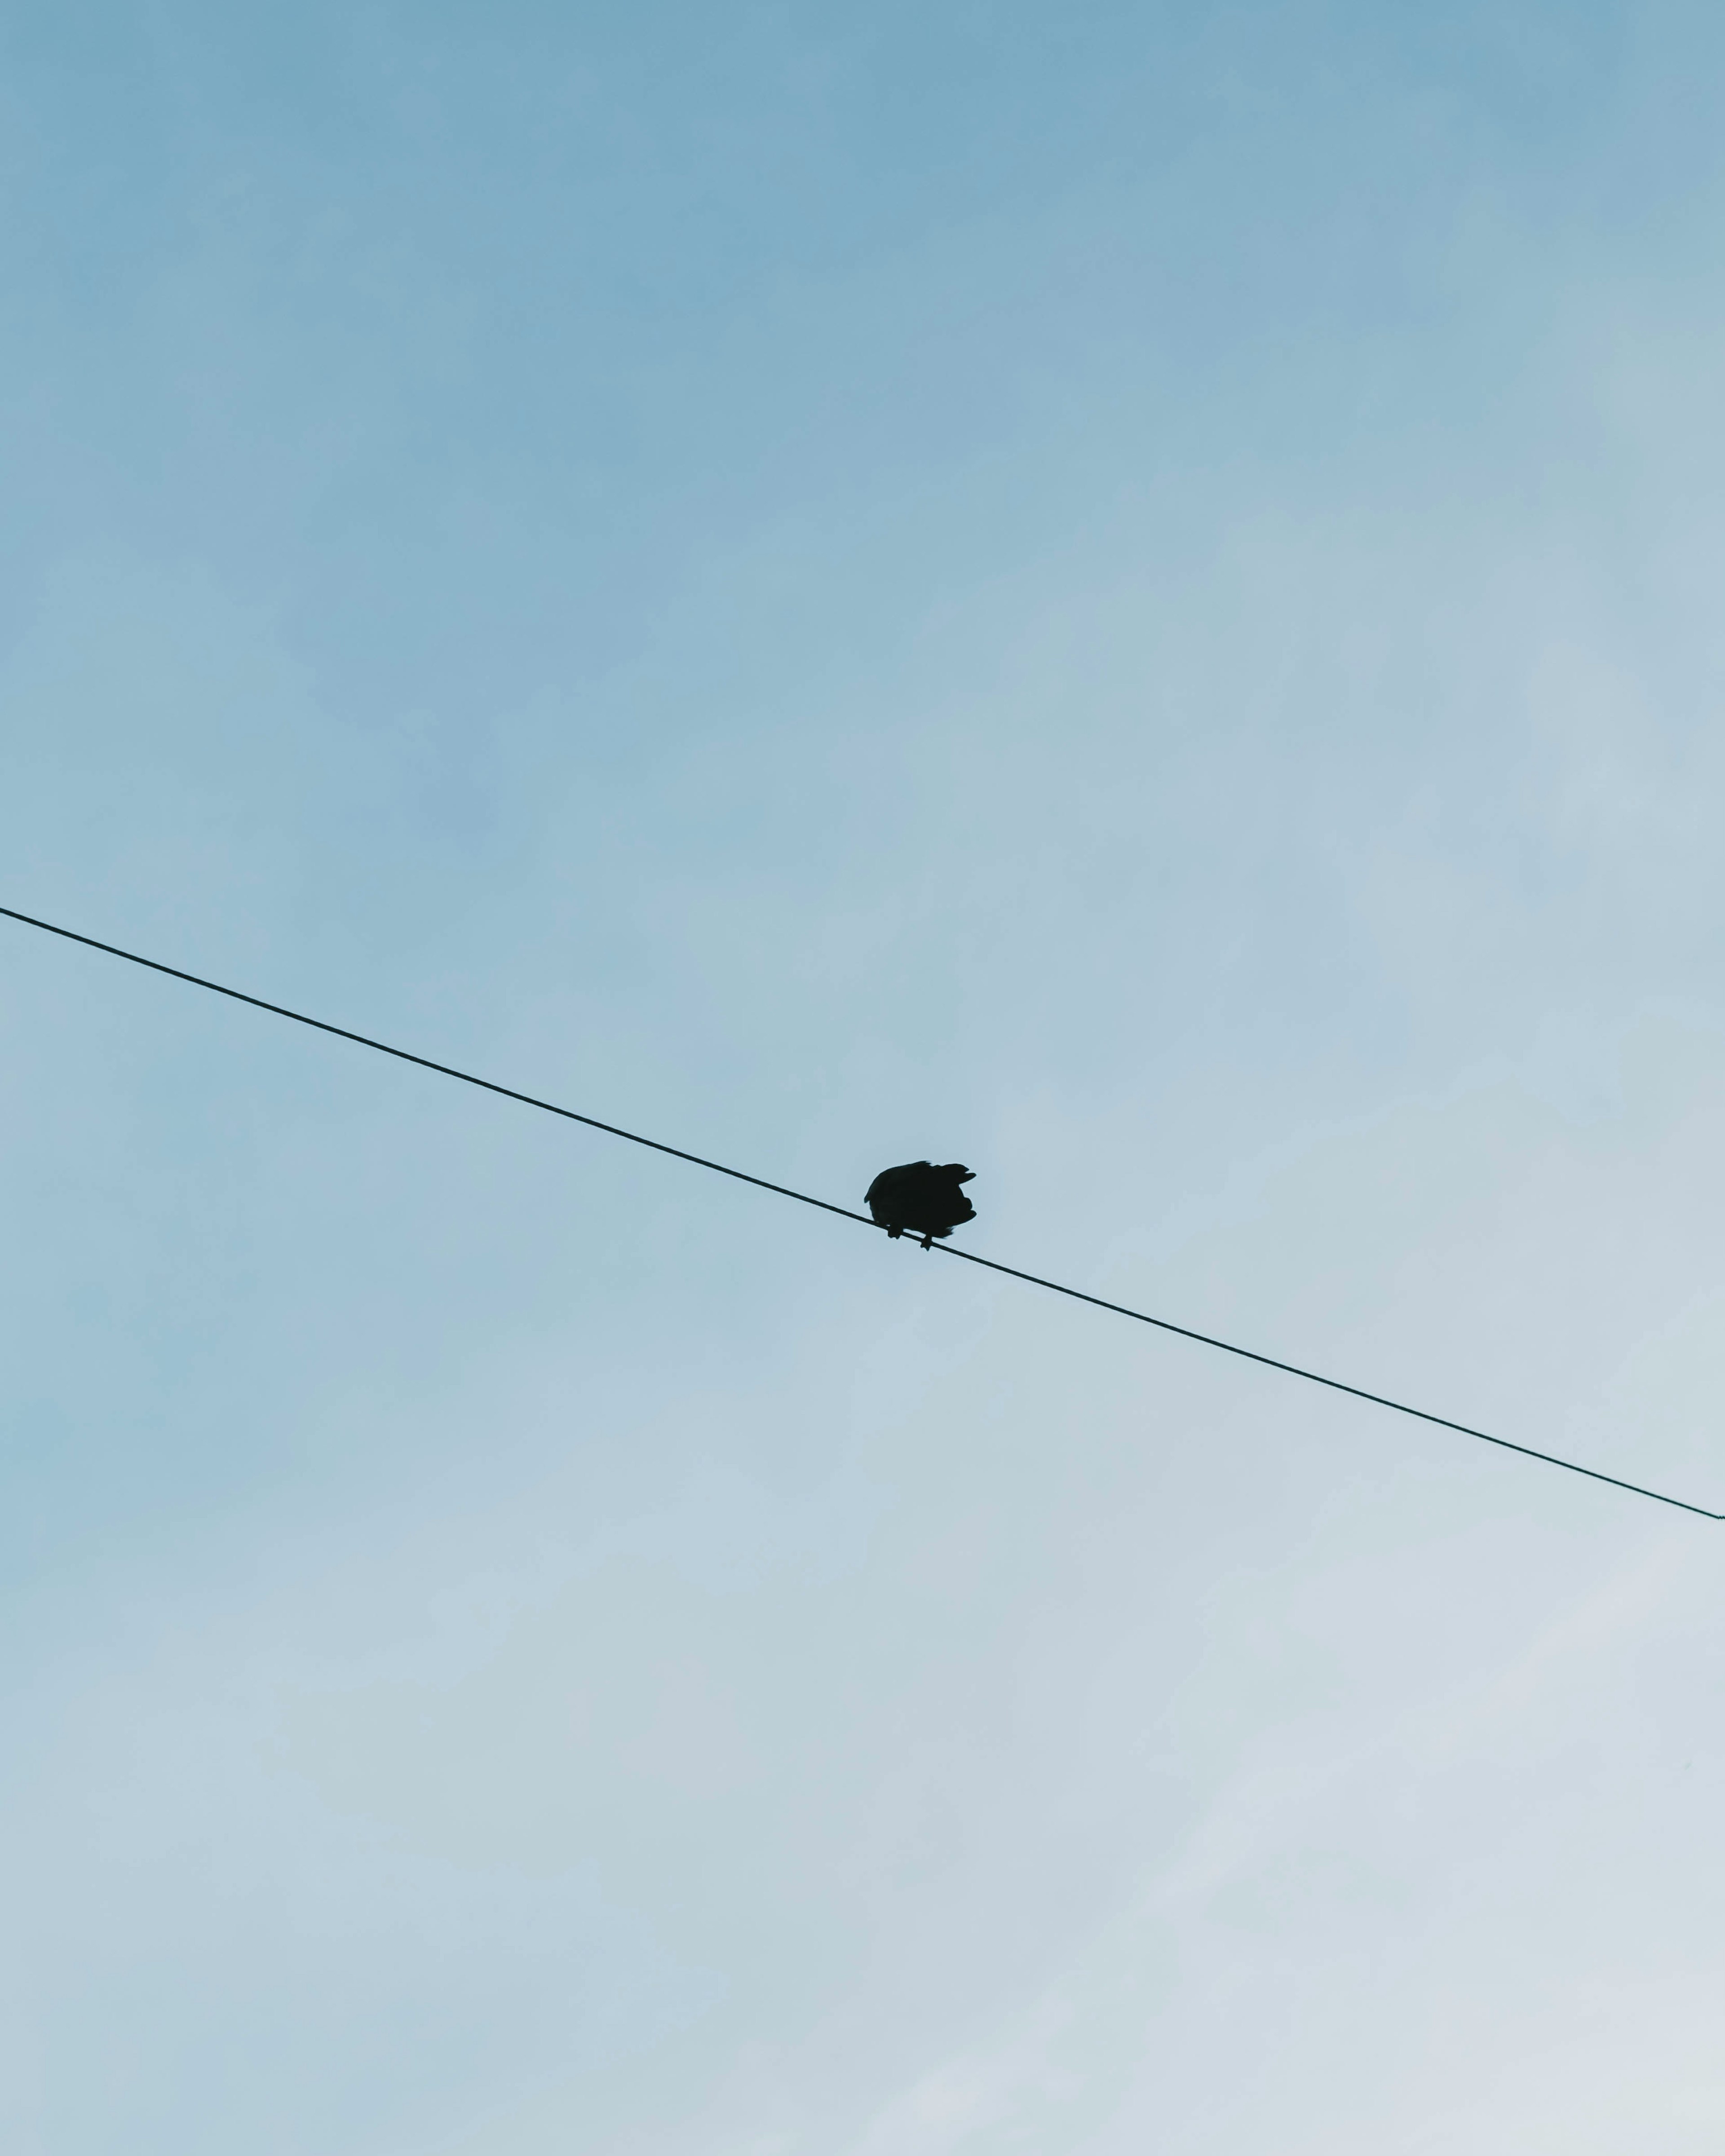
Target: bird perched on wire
[(922, 1197)]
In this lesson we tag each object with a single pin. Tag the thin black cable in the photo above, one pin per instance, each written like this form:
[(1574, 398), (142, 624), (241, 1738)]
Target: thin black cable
[(780, 1190), (425, 1063), (1335, 1384)]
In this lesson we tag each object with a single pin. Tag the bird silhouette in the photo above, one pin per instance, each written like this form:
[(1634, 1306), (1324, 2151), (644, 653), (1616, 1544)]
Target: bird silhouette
[(922, 1197)]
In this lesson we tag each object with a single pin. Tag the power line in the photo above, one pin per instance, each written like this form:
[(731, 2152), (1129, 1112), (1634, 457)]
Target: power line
[(425, 1063), (1335, 1384), (802, 1197)]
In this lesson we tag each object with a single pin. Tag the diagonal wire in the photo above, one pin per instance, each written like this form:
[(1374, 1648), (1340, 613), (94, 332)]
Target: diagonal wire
[(802, 1197), (425, 1063), (1335, 1384)]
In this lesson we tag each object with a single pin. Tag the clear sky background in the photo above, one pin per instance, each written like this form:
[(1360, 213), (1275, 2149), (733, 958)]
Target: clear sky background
[(1131, 595)]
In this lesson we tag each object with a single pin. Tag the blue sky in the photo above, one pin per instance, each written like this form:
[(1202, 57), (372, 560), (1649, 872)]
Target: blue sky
[(1129, 596)]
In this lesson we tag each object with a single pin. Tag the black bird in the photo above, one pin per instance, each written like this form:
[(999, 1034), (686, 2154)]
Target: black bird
[(920, 1197)]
